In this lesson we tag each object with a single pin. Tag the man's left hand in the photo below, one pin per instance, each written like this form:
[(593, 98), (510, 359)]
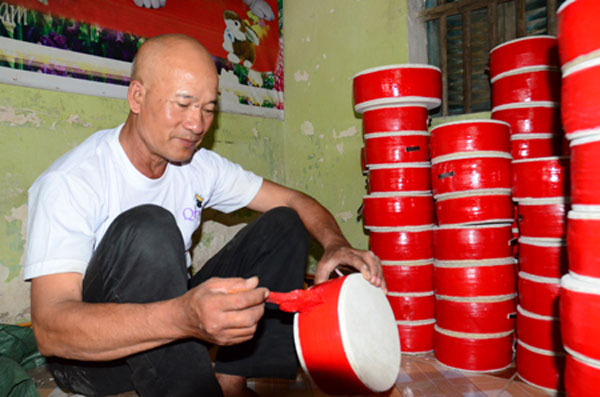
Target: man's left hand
[(364, 261)]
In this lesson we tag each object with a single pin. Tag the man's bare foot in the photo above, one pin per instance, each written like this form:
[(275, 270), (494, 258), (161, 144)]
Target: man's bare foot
[(235, 386)]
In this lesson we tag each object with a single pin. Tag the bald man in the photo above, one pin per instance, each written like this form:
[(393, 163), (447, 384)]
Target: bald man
[(109, 234)]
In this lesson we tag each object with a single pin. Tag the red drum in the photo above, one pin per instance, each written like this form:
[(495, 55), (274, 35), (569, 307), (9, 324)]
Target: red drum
[(539, 295), (396, 147), (585, 163), (578, 29), (398, 209), (402, 243), (400, 177), (466, 171), (523, 52), (538, 331), (395, 118), (530, 117), (542, 83), (409, 84), (474, 206), (412, 306), (580, 316), (487, 277), (579, 108), (526, 146), (478, 314), (582, 377), (543, 217), (541, 368), (477, 352), (583, 238), (469, 136), (339, 355), (543, 256), (540, 178), (404, 276), (474, 242), (416, 337)]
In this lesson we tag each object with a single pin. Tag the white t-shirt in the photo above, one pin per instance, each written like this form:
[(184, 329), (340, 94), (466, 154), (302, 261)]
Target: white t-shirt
[(72, 204)]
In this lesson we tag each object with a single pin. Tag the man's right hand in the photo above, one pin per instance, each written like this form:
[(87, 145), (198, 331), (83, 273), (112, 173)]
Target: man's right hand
[(224, 311)]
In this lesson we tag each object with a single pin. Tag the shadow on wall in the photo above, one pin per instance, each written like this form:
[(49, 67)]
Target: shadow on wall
[(234, 221)]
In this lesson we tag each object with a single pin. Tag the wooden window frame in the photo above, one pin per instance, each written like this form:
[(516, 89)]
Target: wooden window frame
[(464, 8)]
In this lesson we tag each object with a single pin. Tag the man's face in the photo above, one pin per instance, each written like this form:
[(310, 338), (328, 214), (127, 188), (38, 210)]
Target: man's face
[(177, 110)]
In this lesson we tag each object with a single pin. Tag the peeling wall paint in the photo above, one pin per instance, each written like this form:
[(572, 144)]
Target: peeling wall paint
[(16, 232), (345, 216), (307, 128), (301, 75), (15, 117), (352, 131), (75, 119), (14, 299)]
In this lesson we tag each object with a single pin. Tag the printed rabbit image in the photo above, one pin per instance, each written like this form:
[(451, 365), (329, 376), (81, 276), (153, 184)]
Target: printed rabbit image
[(239, 37), (239, 40)]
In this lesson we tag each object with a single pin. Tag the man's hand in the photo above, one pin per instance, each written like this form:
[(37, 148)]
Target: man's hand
[(224, 311), (364, 261)]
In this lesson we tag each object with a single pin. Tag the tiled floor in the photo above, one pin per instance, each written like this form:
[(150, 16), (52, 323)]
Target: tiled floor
[(420, 376)]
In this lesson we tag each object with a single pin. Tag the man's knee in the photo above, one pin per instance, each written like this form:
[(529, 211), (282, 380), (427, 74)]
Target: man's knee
[(153, 234), (141, 258), (148, 219), (286, 221)]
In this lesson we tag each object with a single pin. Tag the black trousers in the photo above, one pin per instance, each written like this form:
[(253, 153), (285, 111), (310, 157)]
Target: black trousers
[(141, 259)]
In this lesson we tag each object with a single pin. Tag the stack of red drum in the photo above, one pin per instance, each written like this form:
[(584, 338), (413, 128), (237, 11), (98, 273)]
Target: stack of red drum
[(526, 84), (474, 273), (579, 50), (541, 191), (398, 209)]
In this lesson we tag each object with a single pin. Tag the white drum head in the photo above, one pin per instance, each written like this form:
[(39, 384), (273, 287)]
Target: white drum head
[(369, 333)]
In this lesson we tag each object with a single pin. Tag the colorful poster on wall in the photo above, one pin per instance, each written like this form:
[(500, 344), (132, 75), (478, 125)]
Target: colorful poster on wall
[(87, 46)]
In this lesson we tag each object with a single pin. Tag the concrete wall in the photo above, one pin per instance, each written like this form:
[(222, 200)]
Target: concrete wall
[(315, 149)]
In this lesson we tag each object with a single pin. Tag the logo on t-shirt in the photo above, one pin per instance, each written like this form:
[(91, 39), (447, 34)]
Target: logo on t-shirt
[(192, 214), (199, 201)]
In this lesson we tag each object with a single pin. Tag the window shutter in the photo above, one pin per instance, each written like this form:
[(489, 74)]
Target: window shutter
[(461, 33)]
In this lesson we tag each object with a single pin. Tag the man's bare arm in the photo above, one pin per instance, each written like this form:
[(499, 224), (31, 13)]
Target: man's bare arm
[(67, 327), (321, 224)]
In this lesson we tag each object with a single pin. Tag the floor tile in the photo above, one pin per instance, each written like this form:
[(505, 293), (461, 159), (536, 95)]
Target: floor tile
[(420, 375)]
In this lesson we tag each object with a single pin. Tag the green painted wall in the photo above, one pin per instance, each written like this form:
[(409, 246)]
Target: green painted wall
[(316, 149), (326, 43)]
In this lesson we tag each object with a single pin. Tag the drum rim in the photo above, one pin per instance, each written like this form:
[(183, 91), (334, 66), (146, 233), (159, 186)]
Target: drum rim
[(381, 68), (529, 38), (471, 121)]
